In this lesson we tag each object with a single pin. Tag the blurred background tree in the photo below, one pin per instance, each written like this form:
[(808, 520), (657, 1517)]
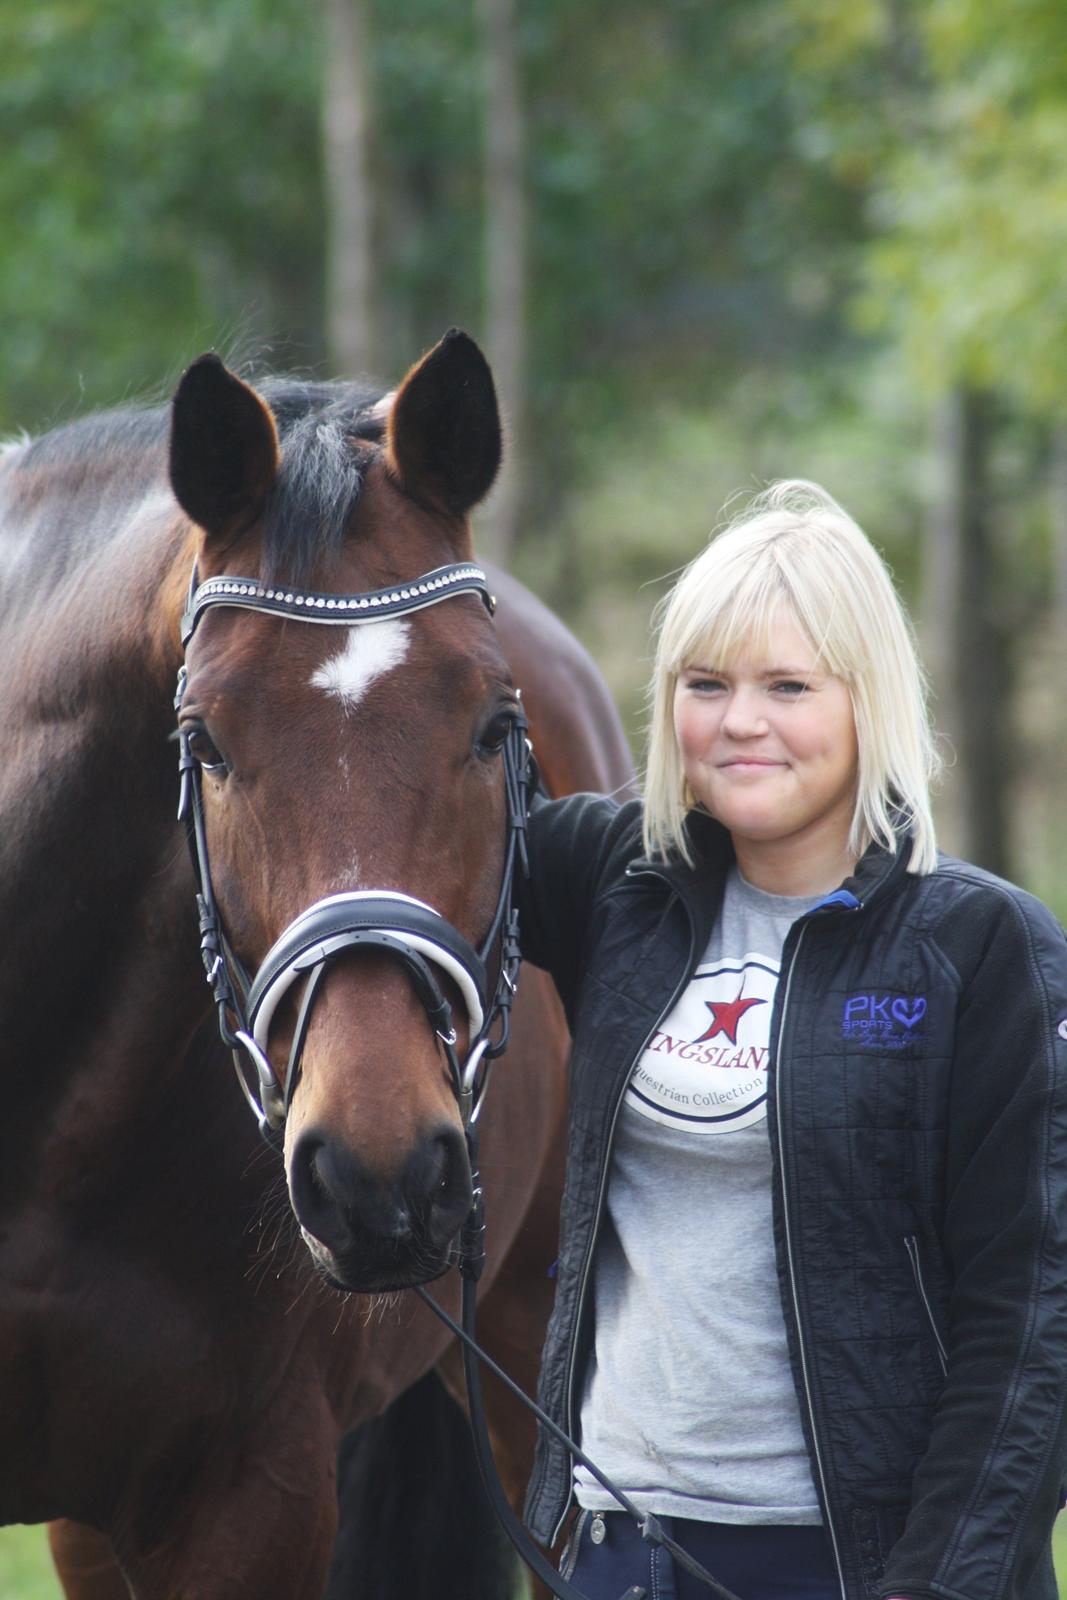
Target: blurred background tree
[(705, 245)]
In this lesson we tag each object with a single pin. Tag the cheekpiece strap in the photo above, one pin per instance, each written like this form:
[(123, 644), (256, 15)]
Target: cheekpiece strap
[(344, 610)]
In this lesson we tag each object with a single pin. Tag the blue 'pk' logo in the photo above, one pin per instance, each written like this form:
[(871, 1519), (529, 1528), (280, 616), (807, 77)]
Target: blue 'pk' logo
[(887, 1021)]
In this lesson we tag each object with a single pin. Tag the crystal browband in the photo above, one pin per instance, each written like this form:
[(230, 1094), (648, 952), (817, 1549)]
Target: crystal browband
[(280, 600)]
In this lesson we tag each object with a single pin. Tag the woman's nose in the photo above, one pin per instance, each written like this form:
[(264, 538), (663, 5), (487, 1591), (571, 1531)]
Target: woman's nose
[(744, 715)]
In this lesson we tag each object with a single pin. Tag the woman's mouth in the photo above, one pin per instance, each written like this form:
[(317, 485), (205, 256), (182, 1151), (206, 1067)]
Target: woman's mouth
[(750, 764)]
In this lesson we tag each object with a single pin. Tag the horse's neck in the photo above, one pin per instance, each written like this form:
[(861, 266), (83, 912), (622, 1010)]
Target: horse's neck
[(87, 776), (90, 552)]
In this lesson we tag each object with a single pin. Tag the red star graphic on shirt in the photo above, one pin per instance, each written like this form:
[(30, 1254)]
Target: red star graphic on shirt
[(725, 1015)]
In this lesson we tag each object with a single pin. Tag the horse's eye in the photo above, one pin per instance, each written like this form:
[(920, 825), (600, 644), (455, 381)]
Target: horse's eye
[(494, 736), (204, 750)]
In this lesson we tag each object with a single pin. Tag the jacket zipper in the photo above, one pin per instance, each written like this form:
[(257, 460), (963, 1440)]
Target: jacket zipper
[(570, 1556), (852, 904), (587, 1262), (911, 1245), (792, 1268)]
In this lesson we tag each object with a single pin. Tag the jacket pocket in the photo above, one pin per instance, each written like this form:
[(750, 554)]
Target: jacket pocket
[(911, 1245)]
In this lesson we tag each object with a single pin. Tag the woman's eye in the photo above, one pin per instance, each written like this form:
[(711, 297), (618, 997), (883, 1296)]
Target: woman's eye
[(705, 685), (203, 749), (790, 686)]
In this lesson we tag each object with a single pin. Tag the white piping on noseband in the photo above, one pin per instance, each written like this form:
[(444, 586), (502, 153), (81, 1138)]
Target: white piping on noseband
[(442, 958)]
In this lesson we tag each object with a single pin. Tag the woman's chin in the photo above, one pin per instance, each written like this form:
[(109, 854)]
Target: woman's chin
[(755, 825)]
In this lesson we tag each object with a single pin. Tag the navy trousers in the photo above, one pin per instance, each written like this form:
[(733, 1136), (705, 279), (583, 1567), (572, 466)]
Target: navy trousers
[(606, 1556)]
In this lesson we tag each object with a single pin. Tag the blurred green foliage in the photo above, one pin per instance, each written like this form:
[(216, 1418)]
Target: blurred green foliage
[(713, 188), (26, 1570), (163, 187), (159, 192), (958, 156)]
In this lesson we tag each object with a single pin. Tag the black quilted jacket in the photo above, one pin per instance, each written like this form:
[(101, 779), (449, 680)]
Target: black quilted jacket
[(918, 1122)]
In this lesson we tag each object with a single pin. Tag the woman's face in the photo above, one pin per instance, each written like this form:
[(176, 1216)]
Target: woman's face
[(769, 746)]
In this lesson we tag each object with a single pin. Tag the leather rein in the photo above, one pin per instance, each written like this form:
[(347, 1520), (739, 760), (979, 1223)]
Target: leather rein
[(426, 945)]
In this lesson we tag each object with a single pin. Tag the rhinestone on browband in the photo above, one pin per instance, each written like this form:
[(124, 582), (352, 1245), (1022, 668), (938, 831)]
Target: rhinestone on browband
[(351, 609)]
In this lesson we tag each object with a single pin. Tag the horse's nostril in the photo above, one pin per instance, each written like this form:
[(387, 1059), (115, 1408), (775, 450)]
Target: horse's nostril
[(451, 1185), (321, 1187), (314, 1205)]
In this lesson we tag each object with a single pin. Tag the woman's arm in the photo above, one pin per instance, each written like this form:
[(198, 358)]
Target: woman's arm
[(576, 845)]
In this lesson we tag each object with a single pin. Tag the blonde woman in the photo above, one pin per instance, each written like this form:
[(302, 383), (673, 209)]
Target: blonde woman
[(812, 1288)]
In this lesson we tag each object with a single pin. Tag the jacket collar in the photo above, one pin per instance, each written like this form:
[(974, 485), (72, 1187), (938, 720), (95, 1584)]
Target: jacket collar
[(878, 870)]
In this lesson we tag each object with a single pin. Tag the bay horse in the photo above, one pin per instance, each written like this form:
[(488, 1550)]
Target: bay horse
[(175, 1370)]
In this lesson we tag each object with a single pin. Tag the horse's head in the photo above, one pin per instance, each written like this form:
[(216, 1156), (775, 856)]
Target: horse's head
[(357, 756)]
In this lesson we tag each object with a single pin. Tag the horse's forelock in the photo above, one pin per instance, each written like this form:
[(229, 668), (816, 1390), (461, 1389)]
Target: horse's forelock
[(320, 478)]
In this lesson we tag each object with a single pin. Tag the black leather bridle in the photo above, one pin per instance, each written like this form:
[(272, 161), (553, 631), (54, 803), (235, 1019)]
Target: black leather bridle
[(425, 944), (405, 928)]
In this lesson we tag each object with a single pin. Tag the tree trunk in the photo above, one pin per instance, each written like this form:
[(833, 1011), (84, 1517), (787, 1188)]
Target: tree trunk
[(505, 263), (346, 125), (967, 641)]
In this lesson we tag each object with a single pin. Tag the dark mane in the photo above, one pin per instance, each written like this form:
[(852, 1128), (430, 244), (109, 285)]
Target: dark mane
[(321, 427)]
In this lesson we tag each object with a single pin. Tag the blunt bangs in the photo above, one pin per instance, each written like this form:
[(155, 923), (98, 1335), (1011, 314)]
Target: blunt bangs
[(740, 620), (796, 550)]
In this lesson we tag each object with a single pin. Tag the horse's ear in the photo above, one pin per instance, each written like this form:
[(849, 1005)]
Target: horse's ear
[(443, 438), (223, 448)]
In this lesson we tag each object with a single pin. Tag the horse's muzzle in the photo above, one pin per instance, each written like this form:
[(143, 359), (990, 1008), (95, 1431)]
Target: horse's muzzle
[(378, 1233)]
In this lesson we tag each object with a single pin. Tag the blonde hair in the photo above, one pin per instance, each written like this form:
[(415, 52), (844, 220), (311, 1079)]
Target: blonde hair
[(795, 546)]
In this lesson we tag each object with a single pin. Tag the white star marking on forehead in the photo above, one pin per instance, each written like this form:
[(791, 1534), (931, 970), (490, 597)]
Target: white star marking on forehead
[(372, 649)]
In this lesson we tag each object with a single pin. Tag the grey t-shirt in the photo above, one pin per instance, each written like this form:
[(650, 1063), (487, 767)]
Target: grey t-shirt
[(689, 1402)]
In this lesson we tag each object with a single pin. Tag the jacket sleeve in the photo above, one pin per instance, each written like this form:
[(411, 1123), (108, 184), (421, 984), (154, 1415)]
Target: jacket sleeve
[(575, 846), (987, 1490)]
